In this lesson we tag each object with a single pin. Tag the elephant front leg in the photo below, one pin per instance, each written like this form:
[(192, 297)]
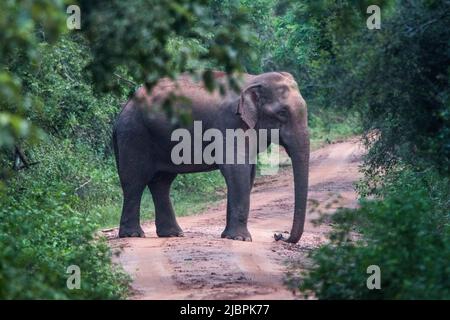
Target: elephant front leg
[(239, 182)]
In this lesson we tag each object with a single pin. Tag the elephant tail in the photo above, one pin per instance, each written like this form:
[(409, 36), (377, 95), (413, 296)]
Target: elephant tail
[(116, 147), (114, 133)]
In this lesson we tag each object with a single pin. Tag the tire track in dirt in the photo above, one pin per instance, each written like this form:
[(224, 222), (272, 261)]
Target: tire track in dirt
[(201, 265)]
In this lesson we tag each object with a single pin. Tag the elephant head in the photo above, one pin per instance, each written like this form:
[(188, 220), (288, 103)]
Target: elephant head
[(273, 101)]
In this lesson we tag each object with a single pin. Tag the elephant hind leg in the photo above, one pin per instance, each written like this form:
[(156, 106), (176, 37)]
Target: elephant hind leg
[(134, 177), (165, 220), (130, 220), (135, 164)]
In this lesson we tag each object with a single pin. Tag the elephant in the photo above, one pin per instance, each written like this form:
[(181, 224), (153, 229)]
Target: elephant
[(142, 146)]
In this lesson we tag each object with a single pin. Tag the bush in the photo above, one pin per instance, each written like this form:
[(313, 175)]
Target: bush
[(40, 239), (407, 235), (48, 222)]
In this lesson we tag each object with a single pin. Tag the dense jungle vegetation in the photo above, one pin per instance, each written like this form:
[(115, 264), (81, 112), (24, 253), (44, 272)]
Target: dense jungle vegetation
[(61, 89)]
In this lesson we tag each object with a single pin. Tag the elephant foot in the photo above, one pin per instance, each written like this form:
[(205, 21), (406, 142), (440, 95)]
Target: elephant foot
[(170, 232), (237, 234), (137, 232)]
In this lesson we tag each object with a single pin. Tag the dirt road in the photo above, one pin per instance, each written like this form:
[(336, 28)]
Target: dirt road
[(203, 266)]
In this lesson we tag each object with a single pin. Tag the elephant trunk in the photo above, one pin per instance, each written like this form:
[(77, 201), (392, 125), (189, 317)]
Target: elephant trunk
[(300, 163)]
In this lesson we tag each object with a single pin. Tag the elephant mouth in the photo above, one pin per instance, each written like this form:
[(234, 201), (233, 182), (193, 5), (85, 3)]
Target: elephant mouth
[(286, 148)]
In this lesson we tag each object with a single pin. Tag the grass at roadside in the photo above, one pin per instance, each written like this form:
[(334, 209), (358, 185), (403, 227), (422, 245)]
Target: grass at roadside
[(327, 126)]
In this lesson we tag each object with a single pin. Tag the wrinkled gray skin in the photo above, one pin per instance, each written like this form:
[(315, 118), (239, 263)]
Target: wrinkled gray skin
[(143, 147)]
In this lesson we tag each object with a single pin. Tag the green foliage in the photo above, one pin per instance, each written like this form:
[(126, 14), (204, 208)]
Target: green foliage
[(48, 223), (71, 109), (409, 106), (407, 234), (40, 238), (23, 25), (261, 21), (13, 127), (135, 36), (397, 78)]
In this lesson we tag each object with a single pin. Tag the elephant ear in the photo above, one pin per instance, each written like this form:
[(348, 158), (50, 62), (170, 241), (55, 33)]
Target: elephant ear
[(248, 105)]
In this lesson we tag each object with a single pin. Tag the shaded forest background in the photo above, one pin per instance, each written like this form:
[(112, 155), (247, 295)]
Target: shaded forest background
[(60, 91)]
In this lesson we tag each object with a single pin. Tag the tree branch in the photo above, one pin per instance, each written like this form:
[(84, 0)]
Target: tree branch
[(134, 84)]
